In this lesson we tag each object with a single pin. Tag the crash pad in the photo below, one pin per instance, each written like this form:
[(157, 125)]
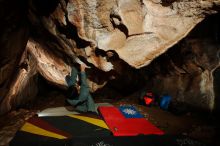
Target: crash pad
[(65, 110), (86, 130), (56, 111), (120, 125), (63, 127), (27, 139)]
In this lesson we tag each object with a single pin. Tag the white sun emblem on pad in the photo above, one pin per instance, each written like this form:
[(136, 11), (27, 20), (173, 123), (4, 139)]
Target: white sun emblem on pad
[(129, 111)]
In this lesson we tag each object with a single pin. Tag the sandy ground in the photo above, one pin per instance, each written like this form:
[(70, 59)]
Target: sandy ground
[(200, 126)]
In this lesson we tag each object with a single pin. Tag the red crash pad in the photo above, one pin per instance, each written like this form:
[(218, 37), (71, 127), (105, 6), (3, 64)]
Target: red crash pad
[(121, 126)]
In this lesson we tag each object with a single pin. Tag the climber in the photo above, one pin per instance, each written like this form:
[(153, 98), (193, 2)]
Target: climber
[(79, 96)]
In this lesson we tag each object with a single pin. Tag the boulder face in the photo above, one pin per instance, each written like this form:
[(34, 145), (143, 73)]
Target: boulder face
[(186, 73), (189, 71), (116, 38)]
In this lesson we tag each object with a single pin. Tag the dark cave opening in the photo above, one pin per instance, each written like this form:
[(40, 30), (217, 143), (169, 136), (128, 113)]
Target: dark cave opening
[(208, 28), (216, 75), (48, 95), (71, 32), (45, 7)]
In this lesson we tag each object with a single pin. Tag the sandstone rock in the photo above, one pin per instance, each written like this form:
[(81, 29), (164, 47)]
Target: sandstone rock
[(61, 32)]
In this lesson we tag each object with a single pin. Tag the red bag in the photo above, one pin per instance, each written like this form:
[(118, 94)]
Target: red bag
[(148, 100)]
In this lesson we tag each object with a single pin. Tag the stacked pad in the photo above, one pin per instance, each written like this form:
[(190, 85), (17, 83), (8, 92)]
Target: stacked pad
[(60, 129), (63, 127), (90, 130)]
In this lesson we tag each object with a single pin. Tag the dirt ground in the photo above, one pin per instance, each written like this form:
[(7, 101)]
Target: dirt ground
[(200, 126)]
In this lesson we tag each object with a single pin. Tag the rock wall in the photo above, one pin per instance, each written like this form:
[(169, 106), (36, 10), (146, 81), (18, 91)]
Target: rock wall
[(14, 79), (187, 75), (112, 37), (186, 70), (216, 76)]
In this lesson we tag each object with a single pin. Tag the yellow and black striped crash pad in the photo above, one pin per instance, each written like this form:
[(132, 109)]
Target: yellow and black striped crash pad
[(63, 127)]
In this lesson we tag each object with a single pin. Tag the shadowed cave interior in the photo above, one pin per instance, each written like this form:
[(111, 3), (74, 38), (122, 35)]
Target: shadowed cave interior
[(188, 71)]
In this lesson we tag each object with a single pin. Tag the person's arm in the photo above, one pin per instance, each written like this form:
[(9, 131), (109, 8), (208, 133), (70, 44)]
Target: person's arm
[(83, 94), (83, 79), (73, 76), (84, 89)]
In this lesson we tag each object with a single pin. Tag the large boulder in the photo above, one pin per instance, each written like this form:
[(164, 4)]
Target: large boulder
[(47, 37)]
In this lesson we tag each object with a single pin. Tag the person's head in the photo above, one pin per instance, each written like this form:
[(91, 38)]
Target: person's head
[(73, 92)]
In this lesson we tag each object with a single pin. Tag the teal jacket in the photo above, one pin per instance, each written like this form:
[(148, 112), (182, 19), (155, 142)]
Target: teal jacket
[(84, 102)]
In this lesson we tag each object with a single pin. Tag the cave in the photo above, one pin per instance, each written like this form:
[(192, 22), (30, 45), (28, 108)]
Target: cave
[(168, 48)]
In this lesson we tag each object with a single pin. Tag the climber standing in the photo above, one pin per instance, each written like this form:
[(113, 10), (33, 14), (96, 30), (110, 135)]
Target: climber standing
[(79, 96)]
